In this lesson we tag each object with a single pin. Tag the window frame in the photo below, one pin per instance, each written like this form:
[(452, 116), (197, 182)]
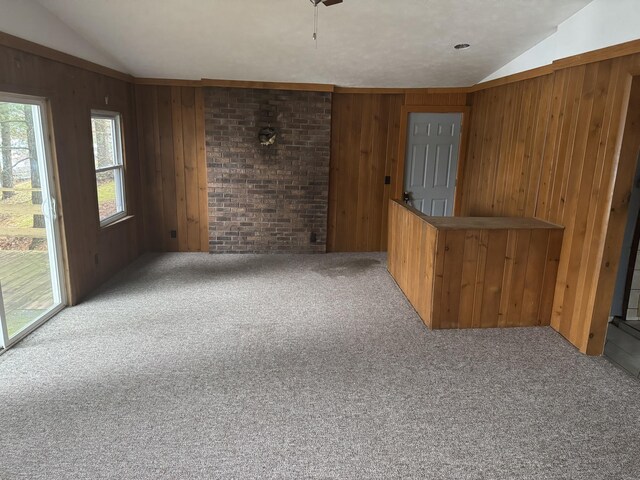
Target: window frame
[(118, 168)]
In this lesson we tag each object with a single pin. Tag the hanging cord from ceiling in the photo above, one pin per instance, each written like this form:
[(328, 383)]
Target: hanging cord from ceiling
[(326, 3), (315, 24)]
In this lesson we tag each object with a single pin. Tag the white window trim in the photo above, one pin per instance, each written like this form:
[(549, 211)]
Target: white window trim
[(118, 168)]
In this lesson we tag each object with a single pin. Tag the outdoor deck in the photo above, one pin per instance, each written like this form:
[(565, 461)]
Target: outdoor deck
[(26, 286)]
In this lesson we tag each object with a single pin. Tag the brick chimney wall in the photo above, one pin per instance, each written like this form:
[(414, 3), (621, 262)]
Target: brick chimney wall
[(267, 198)]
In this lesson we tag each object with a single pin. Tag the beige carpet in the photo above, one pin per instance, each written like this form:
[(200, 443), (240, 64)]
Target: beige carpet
[(308, 366)]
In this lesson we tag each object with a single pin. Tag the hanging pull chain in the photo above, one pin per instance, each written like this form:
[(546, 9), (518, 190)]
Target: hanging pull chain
[(315, 25)]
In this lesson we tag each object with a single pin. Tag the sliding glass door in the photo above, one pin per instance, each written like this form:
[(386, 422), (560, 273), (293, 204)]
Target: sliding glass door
[(31, 287)]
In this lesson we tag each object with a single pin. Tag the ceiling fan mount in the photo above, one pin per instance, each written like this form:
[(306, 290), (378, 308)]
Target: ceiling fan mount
[(327, 3)]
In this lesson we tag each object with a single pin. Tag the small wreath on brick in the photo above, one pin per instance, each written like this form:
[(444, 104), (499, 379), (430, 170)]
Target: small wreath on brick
[(267, 136)]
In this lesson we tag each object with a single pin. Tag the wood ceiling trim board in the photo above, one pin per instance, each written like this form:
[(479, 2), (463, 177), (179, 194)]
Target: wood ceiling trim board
[(18, 43), (167, 82), (436, 109), (606, 53), (437, 90), (307, 87), (394, 91), (367, 90), (516, 77)]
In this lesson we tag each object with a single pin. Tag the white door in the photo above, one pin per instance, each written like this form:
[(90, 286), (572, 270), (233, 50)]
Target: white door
[(31, 286), (433, 143)]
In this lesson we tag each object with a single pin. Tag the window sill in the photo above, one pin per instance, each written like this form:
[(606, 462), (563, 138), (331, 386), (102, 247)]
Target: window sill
[(117, 221)]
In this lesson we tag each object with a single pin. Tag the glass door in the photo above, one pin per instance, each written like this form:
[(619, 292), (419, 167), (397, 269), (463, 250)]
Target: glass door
[(31, 286)]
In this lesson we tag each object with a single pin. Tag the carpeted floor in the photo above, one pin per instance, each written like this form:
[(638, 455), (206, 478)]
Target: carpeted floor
[(309, 366)]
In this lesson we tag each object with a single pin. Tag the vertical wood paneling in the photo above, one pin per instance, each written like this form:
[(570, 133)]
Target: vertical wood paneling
[(580, 197), (201, 166), (365, 164), (437, 250), (376, 190), (478, 285), (167, 168), (171, 128), (554, 248), (147, 129), (178, 156), (612, 216), (411, 260), (338, 168), (451, 275), (504, 158), (364, 141), (191, 168), (393, 166), (468, 278), (521, 244), (534, 275), (461, 276), (549, 147), (493, 273)]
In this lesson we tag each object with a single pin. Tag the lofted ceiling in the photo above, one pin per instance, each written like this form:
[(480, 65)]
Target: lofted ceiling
[(377, 43)]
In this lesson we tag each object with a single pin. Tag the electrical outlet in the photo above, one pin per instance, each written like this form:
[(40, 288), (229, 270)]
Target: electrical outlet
[(314, 237), (173, 234)]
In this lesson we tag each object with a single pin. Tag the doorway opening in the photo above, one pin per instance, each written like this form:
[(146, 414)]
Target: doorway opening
[(432, 152), (623, 335), (31, 282)]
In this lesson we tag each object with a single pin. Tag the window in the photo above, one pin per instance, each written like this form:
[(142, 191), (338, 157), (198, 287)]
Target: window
[(107, 154)]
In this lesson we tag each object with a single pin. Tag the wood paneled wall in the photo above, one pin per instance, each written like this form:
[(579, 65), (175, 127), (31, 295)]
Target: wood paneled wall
[(505, 150), (365, 132), (93, 253), (550, 147), (364, 149), (444, 99), (364, 138), (172, 149)]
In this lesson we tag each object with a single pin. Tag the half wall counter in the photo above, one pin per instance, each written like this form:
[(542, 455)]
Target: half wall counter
[(474, 272)]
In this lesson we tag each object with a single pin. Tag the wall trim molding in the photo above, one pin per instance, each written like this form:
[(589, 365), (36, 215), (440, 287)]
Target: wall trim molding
[(306, 87), (403, 91), (606, 53), (516, 77), (167, 82)]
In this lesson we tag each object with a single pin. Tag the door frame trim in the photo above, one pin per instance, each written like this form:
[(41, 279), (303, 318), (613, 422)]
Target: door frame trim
[(33, 326), (405, 111), (53, 187), (4, 334)]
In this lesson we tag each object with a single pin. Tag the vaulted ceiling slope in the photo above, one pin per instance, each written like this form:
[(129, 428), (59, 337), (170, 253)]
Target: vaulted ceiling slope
[(377, 43)]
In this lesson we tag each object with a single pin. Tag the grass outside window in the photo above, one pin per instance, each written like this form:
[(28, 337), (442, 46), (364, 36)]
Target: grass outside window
[(109, 166)]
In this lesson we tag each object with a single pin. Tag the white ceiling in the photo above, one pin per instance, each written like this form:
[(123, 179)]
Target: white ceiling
[(378, 43)]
